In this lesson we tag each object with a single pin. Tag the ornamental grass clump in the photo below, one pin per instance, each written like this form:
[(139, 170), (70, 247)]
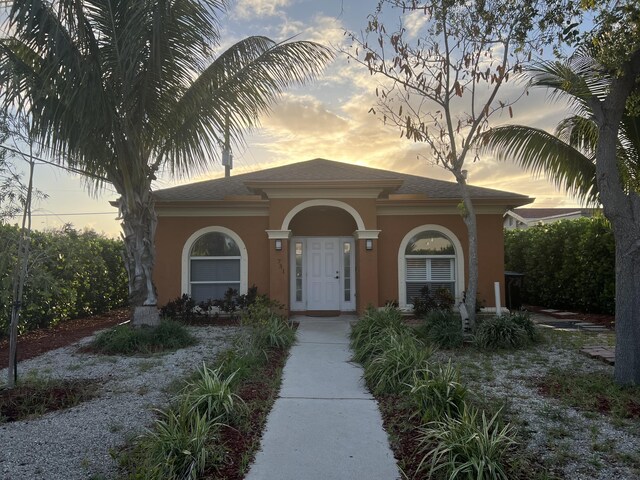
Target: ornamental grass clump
[(391, 370), (469, 446), (373, 330), (442, 328), (211, 394), (523, 320), (177, 446), (128, 340), (437, 392), (276, 332), (499, 333)]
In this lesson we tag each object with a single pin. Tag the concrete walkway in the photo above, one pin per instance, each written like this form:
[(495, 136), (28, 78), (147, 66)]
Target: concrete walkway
[(325, 425)]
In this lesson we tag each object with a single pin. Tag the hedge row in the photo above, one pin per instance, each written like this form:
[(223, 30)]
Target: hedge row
[(568, 265), (71, 274)]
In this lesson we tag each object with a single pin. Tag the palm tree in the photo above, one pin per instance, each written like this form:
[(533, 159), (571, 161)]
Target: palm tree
[(568, 156), (123, 89), (596, 155)]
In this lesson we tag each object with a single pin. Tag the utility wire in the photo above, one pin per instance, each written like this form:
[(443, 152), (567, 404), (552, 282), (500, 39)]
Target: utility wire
[(53, 164), (71, 213)]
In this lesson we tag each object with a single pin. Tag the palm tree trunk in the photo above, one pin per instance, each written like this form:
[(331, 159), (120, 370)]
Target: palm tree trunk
[(139, 221)]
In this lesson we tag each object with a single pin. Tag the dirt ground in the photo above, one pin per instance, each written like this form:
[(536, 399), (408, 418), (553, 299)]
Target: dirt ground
[(37, 342)]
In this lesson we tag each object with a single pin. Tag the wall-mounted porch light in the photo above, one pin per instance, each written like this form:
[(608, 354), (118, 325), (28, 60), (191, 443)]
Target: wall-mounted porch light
[(278, 245), (368, 244)]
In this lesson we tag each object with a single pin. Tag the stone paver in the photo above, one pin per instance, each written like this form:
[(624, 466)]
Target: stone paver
[(604, 353)]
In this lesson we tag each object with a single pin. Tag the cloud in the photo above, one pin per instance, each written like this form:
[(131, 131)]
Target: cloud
[(246, 9)]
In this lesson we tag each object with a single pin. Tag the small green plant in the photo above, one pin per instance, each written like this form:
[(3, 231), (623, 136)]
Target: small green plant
[(391, 370), (438, 393), (176, 447), (500, 333), (211, 395), (471, 446), (442, 328), (128, 340), (259, 311)]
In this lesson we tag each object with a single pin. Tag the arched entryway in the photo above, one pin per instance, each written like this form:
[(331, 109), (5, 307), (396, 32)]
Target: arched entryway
[(322, 256)]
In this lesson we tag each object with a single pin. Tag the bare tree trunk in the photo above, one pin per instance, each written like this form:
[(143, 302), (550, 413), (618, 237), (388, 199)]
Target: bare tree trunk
[(139, 221), (469, 217), (627, 365), (19, 281)]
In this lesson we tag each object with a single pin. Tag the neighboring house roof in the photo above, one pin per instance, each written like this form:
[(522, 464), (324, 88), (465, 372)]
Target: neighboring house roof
[(538, 213), (336, 174)]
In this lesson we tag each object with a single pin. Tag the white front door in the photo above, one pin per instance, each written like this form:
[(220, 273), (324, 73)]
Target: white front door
[(323, 274)]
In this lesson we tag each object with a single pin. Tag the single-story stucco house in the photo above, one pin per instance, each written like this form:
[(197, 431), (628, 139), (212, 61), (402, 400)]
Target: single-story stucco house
[(325, 236)]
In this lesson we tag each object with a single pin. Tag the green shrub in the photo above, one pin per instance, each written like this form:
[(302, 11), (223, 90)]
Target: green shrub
[(71, 274), (176, 448), (442, 328), (391, 370), (568, 264), (470, 446), (211, 395), (128, 340), (440, 299), (500, 333), (438, 393)]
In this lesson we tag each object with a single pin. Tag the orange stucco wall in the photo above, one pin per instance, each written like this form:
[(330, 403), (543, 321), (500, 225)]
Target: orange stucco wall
[(318, 222), (376, 270), (173, 232)]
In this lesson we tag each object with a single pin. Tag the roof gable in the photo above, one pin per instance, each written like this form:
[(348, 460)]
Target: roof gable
[(326, 172)]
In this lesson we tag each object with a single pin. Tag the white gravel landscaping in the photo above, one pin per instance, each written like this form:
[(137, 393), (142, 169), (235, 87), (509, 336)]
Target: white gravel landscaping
[(576, 445), (76, 443)]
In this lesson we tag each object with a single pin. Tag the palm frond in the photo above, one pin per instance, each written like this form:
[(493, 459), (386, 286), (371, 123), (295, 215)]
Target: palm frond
[(242, 83), (541, 152)]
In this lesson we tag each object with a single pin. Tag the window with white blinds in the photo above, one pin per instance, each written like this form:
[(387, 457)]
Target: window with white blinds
[(430, 261), (214, 266)]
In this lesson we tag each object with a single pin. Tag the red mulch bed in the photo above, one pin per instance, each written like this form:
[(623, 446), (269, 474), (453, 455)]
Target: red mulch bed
[(603, 319), (37, 342), (240, 445)]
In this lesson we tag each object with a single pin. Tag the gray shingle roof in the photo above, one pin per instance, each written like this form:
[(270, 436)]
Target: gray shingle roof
[(534, 213), (320, 169)]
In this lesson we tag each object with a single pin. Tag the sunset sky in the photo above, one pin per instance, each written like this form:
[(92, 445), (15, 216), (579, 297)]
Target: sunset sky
[(328, 118)]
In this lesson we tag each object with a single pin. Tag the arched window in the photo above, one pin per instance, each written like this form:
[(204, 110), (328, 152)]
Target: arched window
[(429, 257), (215, 264)]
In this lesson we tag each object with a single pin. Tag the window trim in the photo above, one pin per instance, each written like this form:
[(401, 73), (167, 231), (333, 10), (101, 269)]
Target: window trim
[(402, 267), (186, 263)]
